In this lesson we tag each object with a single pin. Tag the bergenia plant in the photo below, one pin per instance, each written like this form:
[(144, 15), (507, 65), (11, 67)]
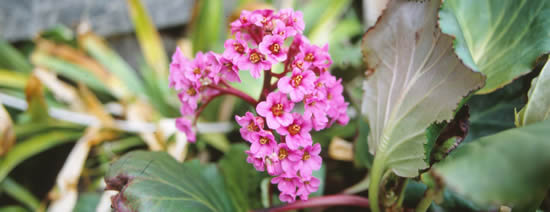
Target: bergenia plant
[(301, 98)]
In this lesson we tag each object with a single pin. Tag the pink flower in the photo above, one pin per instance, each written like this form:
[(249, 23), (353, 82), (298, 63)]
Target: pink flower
[(229, 69), (263, 143), (297, 85), (250, 124), (189, 97), (309, 185), (179, 65), (257, 162), (273, 165), (297, 132), (294, 19), (280, 28), (314, 55), (289, 158), (204, 69), (339, 112), (310, 160), (261, 18), (276, 109), (235, 48), (287, 183), (256, 62), (242, 22), (286, 197), (184, 125), (272, 46)]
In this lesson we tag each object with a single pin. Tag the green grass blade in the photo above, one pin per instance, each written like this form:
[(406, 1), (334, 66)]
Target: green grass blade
[(18, 192), (149, 38), (10, 58), (32, 146)]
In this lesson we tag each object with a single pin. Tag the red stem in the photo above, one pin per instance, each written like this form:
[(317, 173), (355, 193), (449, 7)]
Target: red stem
[(203, 106), (235, 92), (323, 201), (267, 85)]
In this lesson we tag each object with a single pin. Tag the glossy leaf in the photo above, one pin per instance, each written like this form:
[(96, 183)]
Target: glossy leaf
[(241, 179), (361, 147), (154, 181), (87, 202), (538, 106), (501, 169), (417, 80), (502, 40), (33, 146)]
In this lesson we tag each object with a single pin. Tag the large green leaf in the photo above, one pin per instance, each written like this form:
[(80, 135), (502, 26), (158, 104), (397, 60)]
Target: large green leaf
[(154, 181), (503, 169), (241, 179), (538, 106), (502, 39), (417, 80)]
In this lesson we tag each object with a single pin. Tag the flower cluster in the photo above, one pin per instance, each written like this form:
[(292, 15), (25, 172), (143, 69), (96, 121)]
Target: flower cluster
[(263, 38)]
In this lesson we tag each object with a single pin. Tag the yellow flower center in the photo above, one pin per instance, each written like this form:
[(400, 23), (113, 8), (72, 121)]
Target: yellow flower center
[(239, 48), (254, 57), (306, 156), (309, 57), (252, 127), (275, 48), (197, 71), (191, 92), (282, 153), (296, 80), (264, 140), (277, 109), (294, 129)]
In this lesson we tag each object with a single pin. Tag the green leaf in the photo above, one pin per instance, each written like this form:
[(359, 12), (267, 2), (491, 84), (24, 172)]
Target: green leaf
[(321, 31), (154, 181), (494, 112), (113, 62), (362, 146), (10, 58), (149, 38), (241, 179), (502, 169), (70, 70), (417, 80), (32, 146), (87, 202), (18, 192), (538, 106), (12, 79), (206, 26), (12, 208), (503, 40)]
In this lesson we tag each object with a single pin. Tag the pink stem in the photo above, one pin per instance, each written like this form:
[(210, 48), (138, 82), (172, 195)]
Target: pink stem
[(324, 201), (235, 92)]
